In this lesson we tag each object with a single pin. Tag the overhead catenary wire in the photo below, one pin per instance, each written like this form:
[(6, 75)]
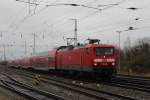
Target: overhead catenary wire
[(105, 8), (61, 20), (120, 26), (30, 15), (112, 28), (60, 4), (25, 18), (15, 18), (16, 26), (140, 19)]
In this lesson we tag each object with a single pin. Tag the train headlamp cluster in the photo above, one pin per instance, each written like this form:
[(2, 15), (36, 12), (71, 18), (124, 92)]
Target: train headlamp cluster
[(104, 60), (97, 60), (110, 60)]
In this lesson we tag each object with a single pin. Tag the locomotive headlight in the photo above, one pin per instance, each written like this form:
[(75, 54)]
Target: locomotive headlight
[(113, 64), (97, 60), (110, 60), (95, 64)]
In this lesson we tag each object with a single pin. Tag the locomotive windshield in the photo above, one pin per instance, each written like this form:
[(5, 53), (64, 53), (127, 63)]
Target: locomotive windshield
[(103, 51)]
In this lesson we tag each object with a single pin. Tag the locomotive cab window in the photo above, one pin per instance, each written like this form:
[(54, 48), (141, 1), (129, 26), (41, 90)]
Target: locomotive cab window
[(87, 51), (103, 51)]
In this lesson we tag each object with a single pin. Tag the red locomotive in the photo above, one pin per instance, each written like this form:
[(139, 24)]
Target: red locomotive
[(92, 58)]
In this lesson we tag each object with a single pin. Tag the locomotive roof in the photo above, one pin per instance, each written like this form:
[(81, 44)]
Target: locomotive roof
[(97, 45), (71, 47)]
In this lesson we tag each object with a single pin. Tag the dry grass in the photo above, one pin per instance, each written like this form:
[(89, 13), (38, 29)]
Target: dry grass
[(136, 72)]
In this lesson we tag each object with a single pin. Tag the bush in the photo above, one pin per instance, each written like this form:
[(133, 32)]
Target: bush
[(138, 56)]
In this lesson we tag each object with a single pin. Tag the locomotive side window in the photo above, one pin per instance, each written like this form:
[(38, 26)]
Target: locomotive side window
[(103, 51), (87, 51)]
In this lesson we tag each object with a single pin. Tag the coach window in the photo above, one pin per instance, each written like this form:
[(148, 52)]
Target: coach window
[(87, 51)]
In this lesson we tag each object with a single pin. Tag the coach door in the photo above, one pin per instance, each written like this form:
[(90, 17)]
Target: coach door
[(86, 57)]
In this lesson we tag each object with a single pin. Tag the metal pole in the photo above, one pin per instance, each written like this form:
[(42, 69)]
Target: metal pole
[(3, 46), (4, 53), (75, 35), (119, 51), (75, 32), (29, 7), (33, 43), (51, 31), (25, 47)]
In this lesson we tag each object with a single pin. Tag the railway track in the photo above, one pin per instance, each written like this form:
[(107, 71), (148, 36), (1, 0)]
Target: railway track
[(132, 82), (133, 77), (140, 84), (11, 84), (91, 92)]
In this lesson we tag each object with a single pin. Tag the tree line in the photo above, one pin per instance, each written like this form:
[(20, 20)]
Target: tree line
[(136, 56)]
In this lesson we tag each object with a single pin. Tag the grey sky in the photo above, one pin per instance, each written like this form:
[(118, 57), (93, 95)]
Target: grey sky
[(51, 24)]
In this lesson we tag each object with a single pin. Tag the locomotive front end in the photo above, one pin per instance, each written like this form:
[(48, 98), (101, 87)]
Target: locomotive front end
[(104, 60)]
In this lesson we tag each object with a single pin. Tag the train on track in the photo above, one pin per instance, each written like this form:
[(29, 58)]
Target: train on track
[(92, 58)]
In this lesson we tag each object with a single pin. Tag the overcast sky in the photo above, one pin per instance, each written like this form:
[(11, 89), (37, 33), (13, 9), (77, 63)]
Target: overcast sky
[(52, 24)]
